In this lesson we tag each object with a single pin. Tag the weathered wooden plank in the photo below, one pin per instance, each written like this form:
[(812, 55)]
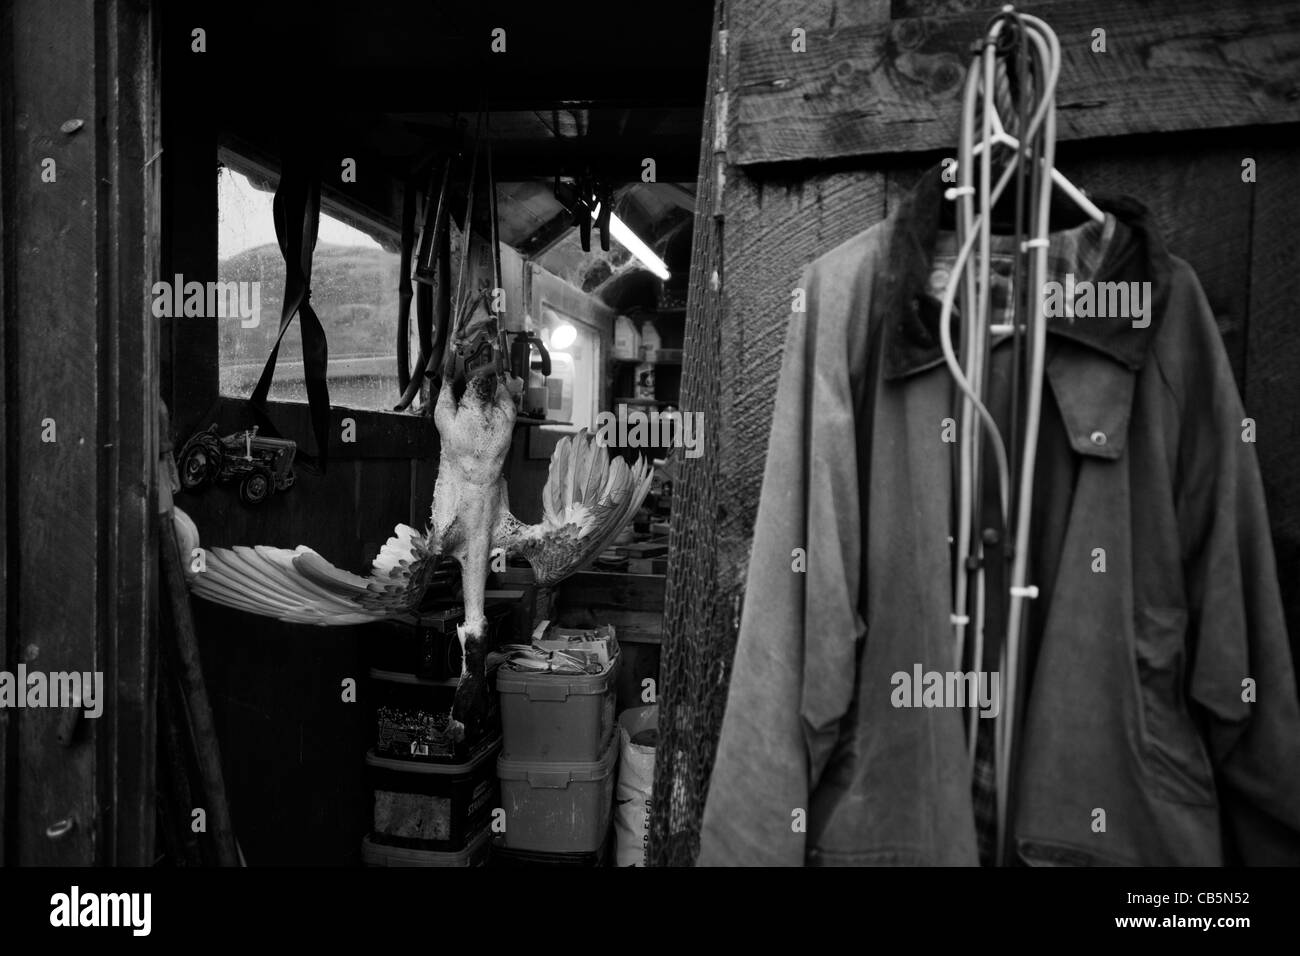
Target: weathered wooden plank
[(900, 9), (698, 631), (779, 226), (633, 592), (345, 514), (189, 348), (374, 434), (8, 751), (631, 627), (83, 440), (747, 17), (633, 603), (740, 297), (293, 750), (129, 439), (895, 87), (61, 510), (1273, 357)]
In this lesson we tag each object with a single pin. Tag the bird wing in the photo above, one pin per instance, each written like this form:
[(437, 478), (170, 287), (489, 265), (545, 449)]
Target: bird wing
[(302, 587), (587, 501)]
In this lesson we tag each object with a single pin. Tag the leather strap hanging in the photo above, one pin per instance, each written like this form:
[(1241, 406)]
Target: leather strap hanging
[(404, 288), (297, 220), (431, 266), (492, 206), (464, 299)]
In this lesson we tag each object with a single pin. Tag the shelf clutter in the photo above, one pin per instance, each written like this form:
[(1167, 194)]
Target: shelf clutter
[(537, 787), (637, 557), (433, 796), (556, 768)]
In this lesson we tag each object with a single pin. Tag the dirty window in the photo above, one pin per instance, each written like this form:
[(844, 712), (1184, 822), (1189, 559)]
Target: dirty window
[(354, 292)]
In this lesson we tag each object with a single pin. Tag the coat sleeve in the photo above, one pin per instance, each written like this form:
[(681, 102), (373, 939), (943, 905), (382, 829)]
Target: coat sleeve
[(794, 669), (1242, 676)]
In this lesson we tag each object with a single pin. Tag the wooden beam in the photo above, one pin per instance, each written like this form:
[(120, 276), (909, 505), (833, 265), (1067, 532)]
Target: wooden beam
[(128, 446), (190, 373), (377, 434), (633, 603), (8, 462), (895, 87), (55, 252), (632, 592), (550, 232), (80, 346), (898, 9), (698, 628)]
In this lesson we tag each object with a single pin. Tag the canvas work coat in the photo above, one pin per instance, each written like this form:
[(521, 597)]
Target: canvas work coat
[(1160, 689)]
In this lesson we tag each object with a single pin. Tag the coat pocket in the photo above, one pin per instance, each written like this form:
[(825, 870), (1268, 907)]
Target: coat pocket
[(1174, 752), (1055, 853)]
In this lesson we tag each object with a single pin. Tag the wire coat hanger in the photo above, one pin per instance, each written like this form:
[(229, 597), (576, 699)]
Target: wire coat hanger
[(1033, 158)]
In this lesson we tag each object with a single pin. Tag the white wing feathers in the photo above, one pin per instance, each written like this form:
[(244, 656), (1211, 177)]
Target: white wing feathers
[(587, 501), (302, 587)]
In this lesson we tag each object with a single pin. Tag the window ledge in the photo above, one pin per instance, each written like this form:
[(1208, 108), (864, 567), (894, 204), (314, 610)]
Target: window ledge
[(377, 434)]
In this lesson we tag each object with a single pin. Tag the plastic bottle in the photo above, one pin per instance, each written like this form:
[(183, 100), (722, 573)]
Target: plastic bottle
[(559, 387), (538, 389), (645, 381), (627, 341), (650, 342)]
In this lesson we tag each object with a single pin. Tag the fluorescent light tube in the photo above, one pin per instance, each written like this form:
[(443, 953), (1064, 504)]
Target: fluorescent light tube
[(630, 241)]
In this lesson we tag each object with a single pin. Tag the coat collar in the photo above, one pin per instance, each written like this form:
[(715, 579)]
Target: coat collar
[(910, 317)]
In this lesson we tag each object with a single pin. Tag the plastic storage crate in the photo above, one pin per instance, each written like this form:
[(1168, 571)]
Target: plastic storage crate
[(382, 854), (556, 717), (411, 718), (505, 858), (557, 806), (430, 806)]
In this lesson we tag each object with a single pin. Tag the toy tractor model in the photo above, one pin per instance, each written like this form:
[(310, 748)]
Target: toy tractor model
[(261, 466)]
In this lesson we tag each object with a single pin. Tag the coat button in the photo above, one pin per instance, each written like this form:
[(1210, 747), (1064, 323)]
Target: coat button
[(1098, 438)]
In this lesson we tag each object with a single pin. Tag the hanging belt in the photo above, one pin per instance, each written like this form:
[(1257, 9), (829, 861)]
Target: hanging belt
[(296, 209), (432, 266)]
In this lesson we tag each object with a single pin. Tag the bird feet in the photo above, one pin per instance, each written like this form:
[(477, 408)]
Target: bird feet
[(469, 707), (456, 729)]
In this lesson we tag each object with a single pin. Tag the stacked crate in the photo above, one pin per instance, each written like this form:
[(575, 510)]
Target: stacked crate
[(433, 795), (556, 768)]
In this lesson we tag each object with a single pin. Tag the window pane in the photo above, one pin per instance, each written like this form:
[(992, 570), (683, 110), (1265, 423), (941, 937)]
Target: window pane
[(574, 386), (354, 292)]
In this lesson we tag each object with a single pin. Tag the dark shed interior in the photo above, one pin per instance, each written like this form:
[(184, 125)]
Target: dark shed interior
[(392, 90)]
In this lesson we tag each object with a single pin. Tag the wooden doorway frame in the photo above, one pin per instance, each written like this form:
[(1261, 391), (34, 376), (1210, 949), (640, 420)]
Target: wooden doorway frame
[(78, 451)]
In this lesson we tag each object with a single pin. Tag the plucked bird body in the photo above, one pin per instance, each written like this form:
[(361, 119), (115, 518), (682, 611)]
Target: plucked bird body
[(587, 500)]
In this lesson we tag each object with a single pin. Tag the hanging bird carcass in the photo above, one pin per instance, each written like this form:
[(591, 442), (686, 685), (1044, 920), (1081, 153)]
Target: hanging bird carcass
[(587, 500)]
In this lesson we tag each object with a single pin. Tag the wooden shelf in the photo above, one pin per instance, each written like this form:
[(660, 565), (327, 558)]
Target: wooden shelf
[(628, 361), (633, 603), (528, 422)]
